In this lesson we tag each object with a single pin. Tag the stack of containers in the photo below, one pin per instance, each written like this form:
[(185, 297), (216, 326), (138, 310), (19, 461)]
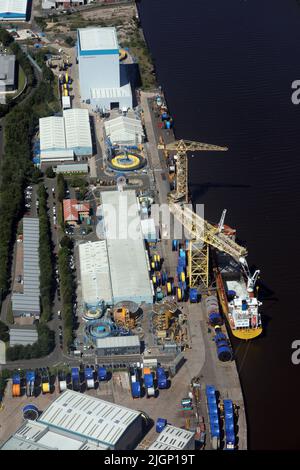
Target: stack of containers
[(212, 308), (229, 425), (213, 414)]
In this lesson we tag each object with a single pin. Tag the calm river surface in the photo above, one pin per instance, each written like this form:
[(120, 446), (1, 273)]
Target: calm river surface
[(226, 69)]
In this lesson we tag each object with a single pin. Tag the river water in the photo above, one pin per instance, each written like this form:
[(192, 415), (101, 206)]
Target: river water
[(226, 69)]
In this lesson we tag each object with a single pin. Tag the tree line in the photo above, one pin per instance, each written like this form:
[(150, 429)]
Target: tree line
[(67, 290), (16, 168)]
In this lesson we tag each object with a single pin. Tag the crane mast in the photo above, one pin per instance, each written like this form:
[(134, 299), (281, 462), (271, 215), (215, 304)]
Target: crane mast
[(202, 235), (181, 147)]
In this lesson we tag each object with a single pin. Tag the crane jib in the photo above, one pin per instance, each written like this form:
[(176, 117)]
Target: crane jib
[(200, 229)]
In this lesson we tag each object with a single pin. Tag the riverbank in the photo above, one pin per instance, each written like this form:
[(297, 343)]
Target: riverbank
[(223, 376)]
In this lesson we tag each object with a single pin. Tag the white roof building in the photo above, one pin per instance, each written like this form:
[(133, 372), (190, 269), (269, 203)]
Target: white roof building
[(79, 422), (124, 130), (97, 39), (52, 133), (172, 438), (128, 259), (62, 137), (13, 10), (77, 128), (94, 273), (103, 80)]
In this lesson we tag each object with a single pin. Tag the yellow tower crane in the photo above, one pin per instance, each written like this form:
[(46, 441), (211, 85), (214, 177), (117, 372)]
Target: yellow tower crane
[(202, 235), (181, 147)]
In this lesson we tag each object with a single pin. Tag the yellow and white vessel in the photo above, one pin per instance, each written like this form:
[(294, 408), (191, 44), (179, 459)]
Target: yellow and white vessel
[(236, 291)]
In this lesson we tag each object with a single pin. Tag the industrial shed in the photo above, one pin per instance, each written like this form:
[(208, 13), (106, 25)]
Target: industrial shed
[(78, 131), (102, 79), (13, 10), (92, 420), (28, 303), (172, 438), (22, 335), (62, 138), (7, 73), (94, 273), (124, 131), (118, 346), (127, 256)]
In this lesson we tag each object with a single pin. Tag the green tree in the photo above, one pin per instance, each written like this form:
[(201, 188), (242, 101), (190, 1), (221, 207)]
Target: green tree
[(49, 172)]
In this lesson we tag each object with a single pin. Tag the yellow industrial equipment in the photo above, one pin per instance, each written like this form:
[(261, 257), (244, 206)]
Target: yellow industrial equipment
[(202, 235), (181, 147)]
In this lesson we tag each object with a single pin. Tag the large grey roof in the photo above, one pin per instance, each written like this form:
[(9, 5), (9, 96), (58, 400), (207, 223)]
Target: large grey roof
[(118, 342), (29, 301), (7, 70), (23, 336), (128, 259), (87, 417)]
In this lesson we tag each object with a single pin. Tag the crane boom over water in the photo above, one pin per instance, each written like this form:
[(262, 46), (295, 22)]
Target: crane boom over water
[(181, 147), (202, 235)]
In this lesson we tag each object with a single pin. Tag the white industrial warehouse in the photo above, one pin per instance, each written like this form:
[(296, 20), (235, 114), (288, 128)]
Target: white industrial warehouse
[(62, 138), (28, 303), (94, 273), (124, 130), (117, 268), (13, 10), (103, 80), (128, 258), (7, 73), (79, 422)]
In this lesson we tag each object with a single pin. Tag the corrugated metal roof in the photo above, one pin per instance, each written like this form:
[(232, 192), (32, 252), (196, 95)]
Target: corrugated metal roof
[(22, 336), (172, 438), (121, 127), (89, 417), (7, 69), (73, 167), (94, 272), (52, 133), (33, 435), (13, 6), (118, 342), (128, 259), (29, 301), (98, 39), (77, 128), (60, 135), (120, 92)]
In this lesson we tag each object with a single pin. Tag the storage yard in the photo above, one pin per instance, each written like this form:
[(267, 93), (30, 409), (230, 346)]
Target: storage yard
[(149, 331)]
